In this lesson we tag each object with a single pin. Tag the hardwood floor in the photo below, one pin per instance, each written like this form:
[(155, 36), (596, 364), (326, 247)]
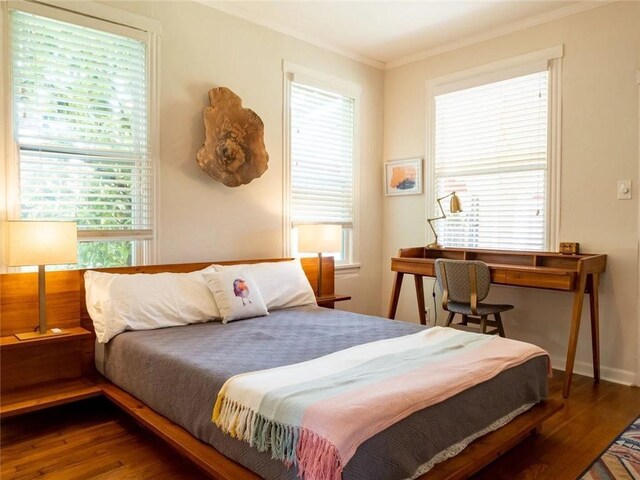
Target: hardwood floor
[(93, 439), (593, 416)]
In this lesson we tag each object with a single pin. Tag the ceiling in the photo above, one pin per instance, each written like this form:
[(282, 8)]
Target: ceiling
[(390, 33)]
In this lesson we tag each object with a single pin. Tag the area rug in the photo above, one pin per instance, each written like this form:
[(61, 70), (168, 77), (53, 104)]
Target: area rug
[(621, 460)]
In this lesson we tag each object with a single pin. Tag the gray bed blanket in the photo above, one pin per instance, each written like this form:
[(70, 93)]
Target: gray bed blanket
[(179, 371)]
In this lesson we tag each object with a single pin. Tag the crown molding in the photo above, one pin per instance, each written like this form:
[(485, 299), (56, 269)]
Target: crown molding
[(235, 9), (500, 31)]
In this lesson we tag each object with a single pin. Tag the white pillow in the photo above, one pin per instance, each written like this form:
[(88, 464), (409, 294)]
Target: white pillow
[(237, 295), (282, 284), (119, 302)]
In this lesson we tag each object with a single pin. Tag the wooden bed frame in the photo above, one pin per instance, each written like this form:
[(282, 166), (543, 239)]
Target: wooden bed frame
[(66, 305), (477, 455)]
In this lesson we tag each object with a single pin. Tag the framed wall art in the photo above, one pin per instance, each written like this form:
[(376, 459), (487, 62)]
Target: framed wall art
[(403, 177)]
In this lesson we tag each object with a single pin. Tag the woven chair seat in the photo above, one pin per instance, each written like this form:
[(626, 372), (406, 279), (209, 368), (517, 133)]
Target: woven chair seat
[(483, 308)]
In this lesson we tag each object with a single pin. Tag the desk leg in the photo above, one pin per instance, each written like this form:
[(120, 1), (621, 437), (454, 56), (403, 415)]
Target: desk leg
[(420, 295), (578, 299), (395, 295), (594, 279)]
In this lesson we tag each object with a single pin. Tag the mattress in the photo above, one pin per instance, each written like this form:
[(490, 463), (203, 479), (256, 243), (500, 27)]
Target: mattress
[(179, 371)]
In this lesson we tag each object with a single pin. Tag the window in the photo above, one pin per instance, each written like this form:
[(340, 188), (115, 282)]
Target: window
[(82, 132), (322, 122), (491, 145)]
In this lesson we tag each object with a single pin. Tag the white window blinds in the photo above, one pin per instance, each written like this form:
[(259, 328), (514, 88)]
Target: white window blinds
[(322, 156), (491, 149), (80, 121)]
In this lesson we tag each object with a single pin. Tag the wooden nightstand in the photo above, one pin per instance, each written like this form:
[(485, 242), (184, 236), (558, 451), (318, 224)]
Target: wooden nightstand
[(328, 301), (43, 372)]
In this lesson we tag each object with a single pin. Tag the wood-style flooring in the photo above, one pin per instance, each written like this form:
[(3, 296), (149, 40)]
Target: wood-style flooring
[(94, 440)]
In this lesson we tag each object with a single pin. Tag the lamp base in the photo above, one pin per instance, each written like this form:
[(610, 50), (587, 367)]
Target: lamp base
[(434, 246), (319, 274), (37, 335)]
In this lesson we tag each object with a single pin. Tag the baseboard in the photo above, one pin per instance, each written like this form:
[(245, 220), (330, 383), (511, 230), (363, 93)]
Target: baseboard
[(616, 375)]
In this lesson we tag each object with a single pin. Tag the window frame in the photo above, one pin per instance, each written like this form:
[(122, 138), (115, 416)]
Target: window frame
[(340, 86), (494, 72), (108, 19)]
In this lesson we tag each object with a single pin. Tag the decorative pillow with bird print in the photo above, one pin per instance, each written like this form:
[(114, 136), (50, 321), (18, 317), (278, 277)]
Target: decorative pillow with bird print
[(282, 284), (237, 295)]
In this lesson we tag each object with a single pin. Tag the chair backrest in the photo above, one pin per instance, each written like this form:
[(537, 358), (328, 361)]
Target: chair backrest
[(457, 277)]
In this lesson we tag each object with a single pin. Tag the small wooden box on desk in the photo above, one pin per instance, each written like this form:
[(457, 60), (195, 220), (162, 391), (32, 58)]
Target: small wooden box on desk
[(44, 371)]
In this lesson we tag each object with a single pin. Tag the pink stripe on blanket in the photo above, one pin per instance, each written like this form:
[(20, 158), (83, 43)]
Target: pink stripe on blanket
[(362, 414)]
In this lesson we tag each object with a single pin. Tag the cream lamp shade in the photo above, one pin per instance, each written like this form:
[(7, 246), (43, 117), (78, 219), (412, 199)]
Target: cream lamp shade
[(319, 238), (41, 243)]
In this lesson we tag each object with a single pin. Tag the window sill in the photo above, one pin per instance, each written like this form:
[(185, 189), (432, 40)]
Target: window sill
[(347, 269)]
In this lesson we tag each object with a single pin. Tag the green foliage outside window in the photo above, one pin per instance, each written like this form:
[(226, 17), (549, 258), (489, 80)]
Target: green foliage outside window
[(104, 254)]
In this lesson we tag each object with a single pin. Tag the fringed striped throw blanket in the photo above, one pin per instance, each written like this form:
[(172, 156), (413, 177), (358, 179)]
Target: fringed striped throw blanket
[(316, 413)]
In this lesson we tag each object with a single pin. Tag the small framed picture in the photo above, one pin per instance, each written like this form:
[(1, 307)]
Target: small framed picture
[(403, 177)]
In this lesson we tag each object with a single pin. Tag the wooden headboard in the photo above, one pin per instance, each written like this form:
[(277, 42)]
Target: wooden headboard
[(65, 292)]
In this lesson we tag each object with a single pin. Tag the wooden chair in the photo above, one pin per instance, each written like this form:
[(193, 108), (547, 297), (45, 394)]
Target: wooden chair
[(464, 284)]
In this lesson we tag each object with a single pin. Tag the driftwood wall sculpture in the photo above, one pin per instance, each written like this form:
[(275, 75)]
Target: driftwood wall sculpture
[(233, 151)]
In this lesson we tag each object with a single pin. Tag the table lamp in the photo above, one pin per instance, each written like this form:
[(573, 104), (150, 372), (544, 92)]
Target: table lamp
[(41, 243), (319, 238), (454, 207)]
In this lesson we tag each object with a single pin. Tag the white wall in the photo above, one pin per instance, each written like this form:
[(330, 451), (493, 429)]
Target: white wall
[(638, 246), (201, 219), (599, 146)]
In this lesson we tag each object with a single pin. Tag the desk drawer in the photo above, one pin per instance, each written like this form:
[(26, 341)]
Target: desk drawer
[(541, 280), (413, 266)]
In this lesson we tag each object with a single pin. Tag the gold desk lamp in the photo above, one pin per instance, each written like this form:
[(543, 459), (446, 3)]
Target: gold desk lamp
[(454, 207)]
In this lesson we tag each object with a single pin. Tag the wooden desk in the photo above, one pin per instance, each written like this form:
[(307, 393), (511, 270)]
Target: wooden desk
[(578, 274)]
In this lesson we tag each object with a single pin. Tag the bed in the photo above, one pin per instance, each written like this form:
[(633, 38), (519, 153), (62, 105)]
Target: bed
[(169, 378)]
